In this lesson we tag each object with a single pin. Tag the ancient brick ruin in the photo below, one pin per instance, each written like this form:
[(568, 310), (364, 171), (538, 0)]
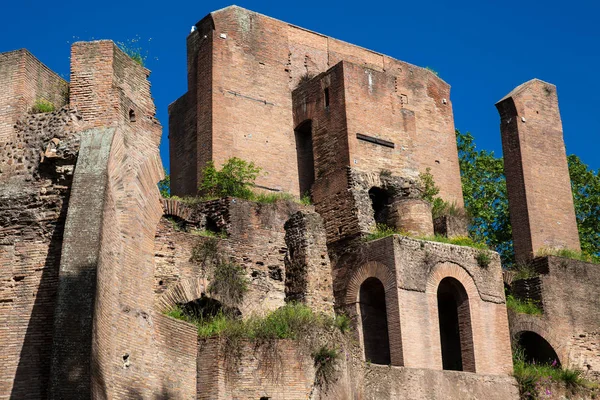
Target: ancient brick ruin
[(92, 258)]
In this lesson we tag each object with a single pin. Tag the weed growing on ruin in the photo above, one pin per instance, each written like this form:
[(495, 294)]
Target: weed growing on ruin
[(456, 240), (483, 258), (381, 231), (270, 198), (343, 323), (42, 106), (207, 233), (433, 71), (205, 253), (567, 253), (228, 282), (535, 379), (306, 200), (133, 49), (523, 306), (523, 270), (235, 178), (325, 359)]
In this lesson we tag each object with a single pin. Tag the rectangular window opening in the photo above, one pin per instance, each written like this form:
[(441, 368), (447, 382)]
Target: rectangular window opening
[(374, 140), (326, 97)]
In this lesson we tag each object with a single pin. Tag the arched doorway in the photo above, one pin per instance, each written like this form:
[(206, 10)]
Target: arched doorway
[(373, 314), (305, 156), (456, 334), (536, 349)]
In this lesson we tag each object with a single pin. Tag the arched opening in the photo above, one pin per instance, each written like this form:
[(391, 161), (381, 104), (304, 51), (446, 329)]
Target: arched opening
[(456, 334), (373, 315), (305, 157), (536, 349), (212, 226), (380, 199), (205, 308), (131, 115)]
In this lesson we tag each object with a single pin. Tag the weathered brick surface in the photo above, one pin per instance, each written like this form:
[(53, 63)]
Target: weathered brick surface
[(33, 207), (242, 68), (24, 79), (255, 240), (307, 266), (571, 319), (537, 176), (412, 270)]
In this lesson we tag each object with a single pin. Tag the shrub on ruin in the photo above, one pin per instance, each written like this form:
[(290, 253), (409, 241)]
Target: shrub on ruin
[(568, 253), (456, 240), (228, 282), (325, 359), (235, 179), (483, 258), (133, 48), (42, 106), (381, 231), (528, 306)]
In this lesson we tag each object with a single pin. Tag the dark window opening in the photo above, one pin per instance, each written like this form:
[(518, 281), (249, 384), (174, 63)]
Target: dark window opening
[(211, 225), (326, 97), (305, 157), (455, 326), (380, 200), (537, 349), (131, 116), (206, 307), (373, 316)]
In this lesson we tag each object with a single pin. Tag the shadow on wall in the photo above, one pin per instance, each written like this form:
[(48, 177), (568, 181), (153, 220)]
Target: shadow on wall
[(33, 371)]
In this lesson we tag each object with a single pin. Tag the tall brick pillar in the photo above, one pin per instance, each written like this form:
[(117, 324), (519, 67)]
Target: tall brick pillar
[(537, 175)]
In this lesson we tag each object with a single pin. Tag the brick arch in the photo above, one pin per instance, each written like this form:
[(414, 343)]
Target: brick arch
[(536, 325), (184, 291), (176, 209), (373, 269), (451, 270)]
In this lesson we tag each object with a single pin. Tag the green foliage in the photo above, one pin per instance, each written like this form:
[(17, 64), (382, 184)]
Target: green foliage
[(164, 186), (270, 198), (228, 281), (207, 233), (343, 323), (523, 307), (429, 189), (535, 380), (523, 271), (456, 240), (567, 253), (234, 179), (42, 106), (585, 184), (133, 49), (206, 253), (483, 258), (484, 192), (325, 359), (381, 231), (305, 199)]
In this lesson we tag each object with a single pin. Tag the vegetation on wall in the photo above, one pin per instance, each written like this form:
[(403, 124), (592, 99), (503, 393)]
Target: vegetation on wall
[(536, 381), (134, 49), (42, 106), (522, 306), (164, 186)]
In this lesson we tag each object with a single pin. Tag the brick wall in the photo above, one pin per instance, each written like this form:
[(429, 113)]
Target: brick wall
[(414, 269), (33, 207), (24, 79), (537, 175), (256, 62)]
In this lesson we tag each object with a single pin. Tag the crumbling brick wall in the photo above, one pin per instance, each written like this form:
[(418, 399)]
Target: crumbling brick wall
[(34, 193)]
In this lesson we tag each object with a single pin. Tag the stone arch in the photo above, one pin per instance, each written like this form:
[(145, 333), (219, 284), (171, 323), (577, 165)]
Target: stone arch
[(184, 291), (537, 349), (377, 271)]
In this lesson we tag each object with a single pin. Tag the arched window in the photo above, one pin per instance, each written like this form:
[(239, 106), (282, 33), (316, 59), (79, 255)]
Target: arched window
[(305, 157), (380, 199), (456, 334), (373, 316), (537, 349)]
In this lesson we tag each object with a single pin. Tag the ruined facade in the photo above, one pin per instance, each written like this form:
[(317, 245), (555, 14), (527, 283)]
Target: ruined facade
[(92, 258)]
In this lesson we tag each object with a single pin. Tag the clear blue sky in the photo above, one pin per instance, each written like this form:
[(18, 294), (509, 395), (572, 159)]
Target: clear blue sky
[(483, 49)]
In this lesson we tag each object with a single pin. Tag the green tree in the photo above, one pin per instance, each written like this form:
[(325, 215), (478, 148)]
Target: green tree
[(235, 179), (585, 184), (484, 192), (164, 186)]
